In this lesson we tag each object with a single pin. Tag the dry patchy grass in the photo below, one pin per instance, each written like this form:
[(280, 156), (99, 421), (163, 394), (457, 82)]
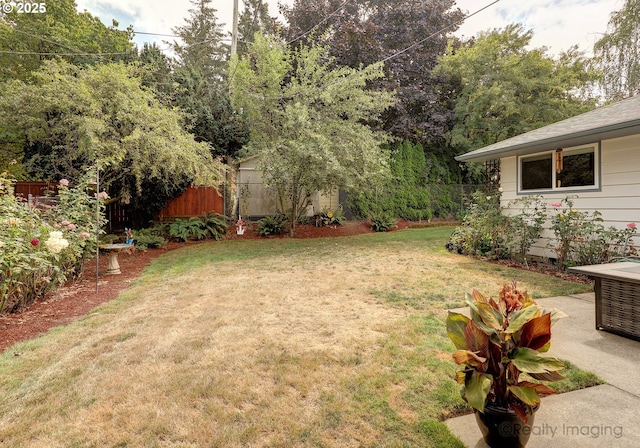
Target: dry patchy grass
[(286, 344)]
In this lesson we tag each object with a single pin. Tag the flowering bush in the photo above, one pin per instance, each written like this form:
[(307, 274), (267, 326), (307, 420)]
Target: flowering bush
[(43, 246), (581, 238), (482, 230)]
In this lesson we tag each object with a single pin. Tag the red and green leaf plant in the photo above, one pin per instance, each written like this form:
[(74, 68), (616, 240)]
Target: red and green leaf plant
[(504, 338)]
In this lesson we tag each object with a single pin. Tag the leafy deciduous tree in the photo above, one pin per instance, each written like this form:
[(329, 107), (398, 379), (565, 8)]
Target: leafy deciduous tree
[(70, 118), (507, 90), (617, 53), (408, 35), (29, 39), (308, 121)]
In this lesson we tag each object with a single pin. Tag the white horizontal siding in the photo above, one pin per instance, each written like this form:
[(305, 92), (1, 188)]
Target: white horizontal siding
[(618, 200)]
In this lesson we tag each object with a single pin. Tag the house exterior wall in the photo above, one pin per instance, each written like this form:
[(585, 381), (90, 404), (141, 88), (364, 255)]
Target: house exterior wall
[(618, 199)]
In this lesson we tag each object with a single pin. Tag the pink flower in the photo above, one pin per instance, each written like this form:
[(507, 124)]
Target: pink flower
[(35, 241), (64, 223), (47, 207), (631, 225), (64, 182), (555, 204), (71, 227), (84, 235), (102, 195)]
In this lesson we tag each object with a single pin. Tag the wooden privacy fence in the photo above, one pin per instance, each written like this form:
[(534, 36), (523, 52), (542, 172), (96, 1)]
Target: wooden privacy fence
[(195, 201), (24, 189)]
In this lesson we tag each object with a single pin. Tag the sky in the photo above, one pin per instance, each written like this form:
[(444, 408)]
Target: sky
[(556, 24)]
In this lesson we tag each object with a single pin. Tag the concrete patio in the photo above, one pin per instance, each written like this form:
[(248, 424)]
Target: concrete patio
[(605, 415)]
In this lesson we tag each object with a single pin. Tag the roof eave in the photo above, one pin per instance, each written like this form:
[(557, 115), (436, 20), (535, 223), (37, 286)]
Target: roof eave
[(564, 141)]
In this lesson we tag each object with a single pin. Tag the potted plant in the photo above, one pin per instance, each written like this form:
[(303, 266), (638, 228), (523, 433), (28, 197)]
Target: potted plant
[(503, 339)]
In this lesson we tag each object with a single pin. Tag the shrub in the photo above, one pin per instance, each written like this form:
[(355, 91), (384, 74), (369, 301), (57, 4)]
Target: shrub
[(415, 191), (332, 217), (272, 225), (216, 225), (75, 214), (581, 238), (525, 228), (145, 239), (188, 229), (482, 231), (212, 225), (381, 222)]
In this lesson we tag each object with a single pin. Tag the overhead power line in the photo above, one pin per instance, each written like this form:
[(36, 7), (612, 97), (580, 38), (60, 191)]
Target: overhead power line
[(437, 32), (319, 23), (60, 54)]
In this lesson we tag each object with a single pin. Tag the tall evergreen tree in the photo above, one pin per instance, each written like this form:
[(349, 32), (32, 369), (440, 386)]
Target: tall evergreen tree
[(201, 77), (202, 43), (254, 19), (157, 72)]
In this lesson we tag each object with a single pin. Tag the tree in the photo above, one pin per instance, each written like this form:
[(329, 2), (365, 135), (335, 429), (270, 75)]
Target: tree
[(308, 121), (202, 44), (254, 19), (70, 118), (209, 113), (157, 72), (366, 31), (617, 53), (506, 90), (27, 40), (200, 75)]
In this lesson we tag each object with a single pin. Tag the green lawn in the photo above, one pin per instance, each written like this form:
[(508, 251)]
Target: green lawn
[(271, 343)]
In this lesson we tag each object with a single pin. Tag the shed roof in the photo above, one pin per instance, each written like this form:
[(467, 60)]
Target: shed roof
[(615, 120)]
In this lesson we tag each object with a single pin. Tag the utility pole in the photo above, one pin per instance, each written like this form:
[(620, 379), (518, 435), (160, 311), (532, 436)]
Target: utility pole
[(234, 32)]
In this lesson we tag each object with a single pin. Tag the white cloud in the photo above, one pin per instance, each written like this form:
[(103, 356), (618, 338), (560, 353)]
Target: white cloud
[(556, 24)]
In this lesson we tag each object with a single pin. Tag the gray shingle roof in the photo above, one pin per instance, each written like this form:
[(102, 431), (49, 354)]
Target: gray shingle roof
[(615, 120)]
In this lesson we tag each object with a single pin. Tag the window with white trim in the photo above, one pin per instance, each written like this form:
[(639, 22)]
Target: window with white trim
[(575, 168)]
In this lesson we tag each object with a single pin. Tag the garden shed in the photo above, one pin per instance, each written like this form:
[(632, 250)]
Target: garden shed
[(256, 201), (594, 158)]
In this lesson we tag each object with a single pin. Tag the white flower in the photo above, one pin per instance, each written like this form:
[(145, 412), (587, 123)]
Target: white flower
[(500, 189), (56, 243)]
